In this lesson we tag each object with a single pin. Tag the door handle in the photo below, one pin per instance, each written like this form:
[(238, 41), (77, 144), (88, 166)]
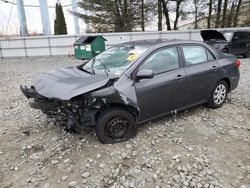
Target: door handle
[(179, 77), (214, 67)]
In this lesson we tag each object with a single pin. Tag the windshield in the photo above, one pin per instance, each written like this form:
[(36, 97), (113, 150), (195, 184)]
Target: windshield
[(114, 60), (228, 36)]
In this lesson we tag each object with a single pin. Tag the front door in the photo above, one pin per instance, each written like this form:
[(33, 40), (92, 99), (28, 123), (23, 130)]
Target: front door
[(165, 91)]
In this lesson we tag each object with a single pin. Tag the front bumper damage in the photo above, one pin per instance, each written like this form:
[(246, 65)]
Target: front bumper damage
[(83, 110), (39, 102), (72, 113)]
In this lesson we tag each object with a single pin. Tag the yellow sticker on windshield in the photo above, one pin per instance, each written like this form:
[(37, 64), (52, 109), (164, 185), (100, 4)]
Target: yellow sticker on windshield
[(132, 57)]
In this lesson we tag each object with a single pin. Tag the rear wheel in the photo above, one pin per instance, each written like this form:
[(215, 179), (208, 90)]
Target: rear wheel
[(218, 95), (115, 125)]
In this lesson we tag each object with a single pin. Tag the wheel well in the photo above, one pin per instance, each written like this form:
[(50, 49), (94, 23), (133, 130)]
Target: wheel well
[(227, 81), (225, 50), (128, 108)]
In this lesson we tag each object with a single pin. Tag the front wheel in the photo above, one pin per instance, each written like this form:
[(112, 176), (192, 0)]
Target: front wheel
[(115, 125), (218, 95)]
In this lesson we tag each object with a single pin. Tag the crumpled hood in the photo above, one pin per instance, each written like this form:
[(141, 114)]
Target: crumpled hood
[(69, 82), (212, 34)]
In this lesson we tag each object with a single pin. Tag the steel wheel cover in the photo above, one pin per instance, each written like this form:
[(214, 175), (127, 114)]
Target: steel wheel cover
[(117, 127)]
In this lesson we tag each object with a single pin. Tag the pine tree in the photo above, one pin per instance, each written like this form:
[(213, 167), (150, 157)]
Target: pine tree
[(60, 27)]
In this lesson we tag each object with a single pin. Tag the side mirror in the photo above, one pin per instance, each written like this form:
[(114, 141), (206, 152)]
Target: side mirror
[(145, 74)]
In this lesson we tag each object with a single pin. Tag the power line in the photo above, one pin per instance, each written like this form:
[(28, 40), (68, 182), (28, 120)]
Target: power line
[(6, 1)]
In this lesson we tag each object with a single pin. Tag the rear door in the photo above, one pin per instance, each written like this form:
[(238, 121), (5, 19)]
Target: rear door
[(201, 70), (165, 91)]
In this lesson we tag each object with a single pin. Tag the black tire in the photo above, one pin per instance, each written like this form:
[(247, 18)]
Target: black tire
[(115, 125), (215, 101)]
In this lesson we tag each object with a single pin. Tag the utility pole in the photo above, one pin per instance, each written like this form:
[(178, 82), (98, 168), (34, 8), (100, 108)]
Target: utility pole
[(45, 17), (76, 20), (22, 19)]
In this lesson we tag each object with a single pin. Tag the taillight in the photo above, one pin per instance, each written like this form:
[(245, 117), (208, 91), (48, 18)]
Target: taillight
[(237, 63)]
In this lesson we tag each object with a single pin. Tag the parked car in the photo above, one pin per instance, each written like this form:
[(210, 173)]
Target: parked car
[(131, 83), (233, 42)]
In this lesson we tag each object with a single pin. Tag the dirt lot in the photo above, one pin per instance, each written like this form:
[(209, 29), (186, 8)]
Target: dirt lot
[(198, 148)]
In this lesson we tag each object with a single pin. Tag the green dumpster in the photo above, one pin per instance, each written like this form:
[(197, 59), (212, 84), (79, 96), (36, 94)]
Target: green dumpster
[(87, 47)]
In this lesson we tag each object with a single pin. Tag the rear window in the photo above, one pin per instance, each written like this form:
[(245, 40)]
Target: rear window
[(244, 35), (195, 54), (228, 36)]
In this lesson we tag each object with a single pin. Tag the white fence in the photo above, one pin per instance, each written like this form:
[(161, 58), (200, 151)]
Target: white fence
[(63, 44)]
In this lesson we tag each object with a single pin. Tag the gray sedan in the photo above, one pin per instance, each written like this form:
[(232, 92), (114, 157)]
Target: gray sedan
[(132, 83)]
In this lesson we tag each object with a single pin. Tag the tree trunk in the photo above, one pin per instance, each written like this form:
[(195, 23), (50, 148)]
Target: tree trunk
[(237, 14), (231, 15), (165, 11), (118, 22), (127, 27), (210, 4), (196, 14), (142, 16), (224, 14), (177, 13), (217, 22), (159, 15)]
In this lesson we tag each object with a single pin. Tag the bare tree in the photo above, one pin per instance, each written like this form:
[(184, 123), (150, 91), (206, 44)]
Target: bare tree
[(177, 12), (159, 15), (166, 13), (210, 6), (195, 14), (142, 16), (235, 23), (218, 13), (231, 14), (224, 13)]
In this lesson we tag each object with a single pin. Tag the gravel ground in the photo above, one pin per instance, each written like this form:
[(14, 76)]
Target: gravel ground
[(197, 148)]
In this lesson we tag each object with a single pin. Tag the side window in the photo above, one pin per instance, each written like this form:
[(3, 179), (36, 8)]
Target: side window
[(236, 36), (242, 36), (210, 56), (194, 54), (162, 61), (245, 35)]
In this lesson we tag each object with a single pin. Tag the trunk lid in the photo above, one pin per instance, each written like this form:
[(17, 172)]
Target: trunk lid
[(208, 35)]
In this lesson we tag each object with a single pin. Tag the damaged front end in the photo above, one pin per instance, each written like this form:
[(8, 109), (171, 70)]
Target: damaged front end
[(79, 111), (72, 113)]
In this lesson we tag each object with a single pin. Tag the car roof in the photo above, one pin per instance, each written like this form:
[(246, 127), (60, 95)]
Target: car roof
[(235, 31), (150, 43)]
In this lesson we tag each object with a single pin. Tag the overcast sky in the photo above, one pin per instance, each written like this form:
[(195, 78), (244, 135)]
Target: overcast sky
[(34, 22), (9, 23)]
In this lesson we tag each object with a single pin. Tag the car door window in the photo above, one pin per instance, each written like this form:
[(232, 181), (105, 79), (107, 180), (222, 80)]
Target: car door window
[(236, 37), (195, 54), (162, 61), (210, 56)]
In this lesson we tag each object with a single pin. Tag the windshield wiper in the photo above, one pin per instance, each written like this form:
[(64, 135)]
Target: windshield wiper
[(92, 66), (80, 67), (105, 67)]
